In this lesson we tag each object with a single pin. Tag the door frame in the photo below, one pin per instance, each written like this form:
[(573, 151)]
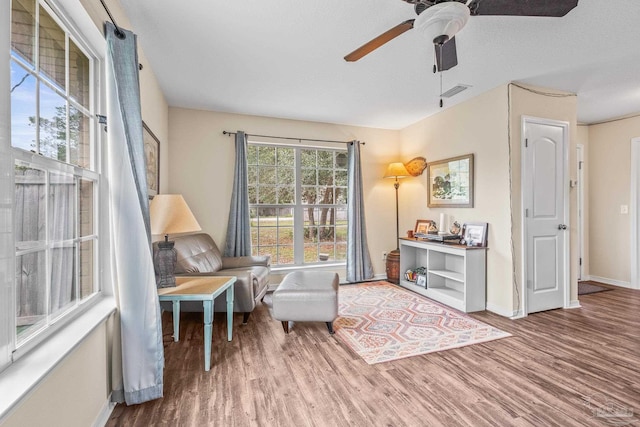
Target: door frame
[(580, 188), (635, 215), (567, 206)]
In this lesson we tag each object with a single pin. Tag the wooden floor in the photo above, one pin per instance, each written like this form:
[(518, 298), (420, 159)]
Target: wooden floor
[(557, 369)]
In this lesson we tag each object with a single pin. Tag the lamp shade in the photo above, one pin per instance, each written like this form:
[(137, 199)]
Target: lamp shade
[(442, 19), (396, 170), (170, 214)]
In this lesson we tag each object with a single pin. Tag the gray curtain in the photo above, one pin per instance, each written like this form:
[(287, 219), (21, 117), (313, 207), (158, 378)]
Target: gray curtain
[(238, 229), (358, 260), (138, 357)]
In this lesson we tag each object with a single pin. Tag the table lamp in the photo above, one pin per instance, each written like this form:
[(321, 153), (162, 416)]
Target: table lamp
[(170, 214), (396, 171)]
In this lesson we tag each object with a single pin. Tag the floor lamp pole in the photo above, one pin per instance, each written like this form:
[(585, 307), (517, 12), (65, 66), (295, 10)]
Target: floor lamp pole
[(396, 185)]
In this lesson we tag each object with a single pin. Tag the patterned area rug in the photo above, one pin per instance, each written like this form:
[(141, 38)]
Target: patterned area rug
[(383, 322), (585, 288)]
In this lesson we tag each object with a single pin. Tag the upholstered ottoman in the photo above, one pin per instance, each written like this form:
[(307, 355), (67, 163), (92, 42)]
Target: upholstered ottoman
[(307, 296)]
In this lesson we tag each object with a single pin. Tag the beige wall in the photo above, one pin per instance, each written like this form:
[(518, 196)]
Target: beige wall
[(610, 187), (526, 103), (73, 394), (478, 126), (202, 159)]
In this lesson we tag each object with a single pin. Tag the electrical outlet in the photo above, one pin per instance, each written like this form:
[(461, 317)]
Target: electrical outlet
[(624, 209), (384, 255)]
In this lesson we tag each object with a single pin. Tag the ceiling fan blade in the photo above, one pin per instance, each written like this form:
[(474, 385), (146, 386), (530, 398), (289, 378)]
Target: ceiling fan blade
[(552, 8), (379, 41), (446, 56)]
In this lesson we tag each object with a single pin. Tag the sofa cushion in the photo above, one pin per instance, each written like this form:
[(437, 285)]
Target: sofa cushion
[(197, 253)]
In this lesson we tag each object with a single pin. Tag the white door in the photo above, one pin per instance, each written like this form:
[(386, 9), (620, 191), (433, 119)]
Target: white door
[(545, 224), (580, 188)]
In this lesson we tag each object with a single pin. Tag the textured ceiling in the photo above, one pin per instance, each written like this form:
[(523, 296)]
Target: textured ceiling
[(284, 58)]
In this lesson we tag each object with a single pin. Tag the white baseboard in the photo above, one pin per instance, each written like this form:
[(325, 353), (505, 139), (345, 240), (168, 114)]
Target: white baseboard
[(584, 278), (105, 413), (574, 304), (503, 312), (380, 277), (612, 282)]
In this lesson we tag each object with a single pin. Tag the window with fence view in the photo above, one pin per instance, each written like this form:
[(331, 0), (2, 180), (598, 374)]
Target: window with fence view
[(298, 203), (55, 203)]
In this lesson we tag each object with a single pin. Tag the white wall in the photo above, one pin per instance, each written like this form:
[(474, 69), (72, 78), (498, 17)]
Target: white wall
[(610, 187), (202, 158)]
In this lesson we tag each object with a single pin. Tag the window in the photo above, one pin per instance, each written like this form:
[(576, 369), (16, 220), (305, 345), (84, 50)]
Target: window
[(54, 90), (297, 200)]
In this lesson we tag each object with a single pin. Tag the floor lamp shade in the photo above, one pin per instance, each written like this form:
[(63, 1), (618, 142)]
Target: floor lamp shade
[(170, 214)]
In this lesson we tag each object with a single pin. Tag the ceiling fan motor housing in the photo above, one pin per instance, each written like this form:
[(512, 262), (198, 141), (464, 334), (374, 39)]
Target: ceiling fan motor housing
[(440, 22)]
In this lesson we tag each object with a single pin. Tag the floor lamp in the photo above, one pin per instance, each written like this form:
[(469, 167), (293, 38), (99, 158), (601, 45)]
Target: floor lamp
[(396, 171)]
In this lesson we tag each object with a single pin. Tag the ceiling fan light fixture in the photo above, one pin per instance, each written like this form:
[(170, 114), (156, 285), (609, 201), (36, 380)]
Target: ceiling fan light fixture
[(442, 21)]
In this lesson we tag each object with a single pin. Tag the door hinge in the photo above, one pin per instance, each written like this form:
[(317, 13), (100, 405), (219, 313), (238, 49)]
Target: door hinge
[(526, 142), (580, 164), (526, 213), (580, 261)]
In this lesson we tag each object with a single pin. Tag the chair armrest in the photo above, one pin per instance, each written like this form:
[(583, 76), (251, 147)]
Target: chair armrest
[(246, 261)]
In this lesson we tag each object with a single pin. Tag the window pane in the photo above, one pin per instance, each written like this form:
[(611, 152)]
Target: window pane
[(325, 195), (310, 234), (23, 29), (285, 255), (341, 251), (267, 175), (308, 159), (286, 195), (310, 253), (309, 195), (30, 205), (31, 294), (267, 156), (78, 75), (285, 157), (325, 177), (52, 50), (341, 234), (79, 138), (310, 216), (341, 196), (252, 174), (327, 249), (85, 206), (62, 279), (266, 195), (341, 178), (53, 124), (285, 217), (252, 155), (325, 159), (253, 198), (341, 160), (285, 236), (309, 177), (23, 108), (267, 250), (87, 286), (286, 176), (62, 201)]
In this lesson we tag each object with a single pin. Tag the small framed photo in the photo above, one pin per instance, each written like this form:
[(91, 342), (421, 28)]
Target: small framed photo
[(475, 234), (421, 280), (423, 226)]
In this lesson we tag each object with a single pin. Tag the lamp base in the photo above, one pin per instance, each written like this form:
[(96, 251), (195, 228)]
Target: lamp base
[(164, 264), (393, 266)]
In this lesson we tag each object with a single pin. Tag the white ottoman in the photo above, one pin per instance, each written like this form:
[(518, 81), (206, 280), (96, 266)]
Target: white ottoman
[(307, 296)]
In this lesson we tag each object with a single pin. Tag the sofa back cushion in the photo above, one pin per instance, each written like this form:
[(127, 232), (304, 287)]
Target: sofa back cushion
[(197, 253)]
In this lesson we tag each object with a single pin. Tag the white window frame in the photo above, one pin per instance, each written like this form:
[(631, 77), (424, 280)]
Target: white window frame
[(299, 207), (73, 18)]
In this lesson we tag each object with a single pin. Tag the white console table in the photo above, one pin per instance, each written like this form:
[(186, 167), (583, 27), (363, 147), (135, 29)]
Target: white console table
[(456, 274)]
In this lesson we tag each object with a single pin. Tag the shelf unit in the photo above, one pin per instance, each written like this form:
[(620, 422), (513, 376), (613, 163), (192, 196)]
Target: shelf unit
[(456, 274)]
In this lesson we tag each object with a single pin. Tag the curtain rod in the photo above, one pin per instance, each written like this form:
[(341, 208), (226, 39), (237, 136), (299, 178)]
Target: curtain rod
[(119, 33), (226, 132)]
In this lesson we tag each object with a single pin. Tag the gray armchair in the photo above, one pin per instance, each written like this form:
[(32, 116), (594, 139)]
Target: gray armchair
[(198, 255)]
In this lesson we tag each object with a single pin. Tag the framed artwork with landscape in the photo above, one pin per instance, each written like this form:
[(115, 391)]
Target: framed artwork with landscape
[(450, 182), (152, 154)]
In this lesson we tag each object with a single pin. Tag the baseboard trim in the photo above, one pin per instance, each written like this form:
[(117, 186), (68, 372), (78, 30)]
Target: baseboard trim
[(105, 413), (574, 304), (502, 312), (612, 282), (380, 277)]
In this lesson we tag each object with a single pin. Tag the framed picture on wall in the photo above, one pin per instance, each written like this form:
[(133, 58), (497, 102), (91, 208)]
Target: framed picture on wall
[(450, 182), (152, 154)]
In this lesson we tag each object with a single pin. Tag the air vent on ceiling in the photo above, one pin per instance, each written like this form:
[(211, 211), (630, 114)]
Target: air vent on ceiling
[(455, 90)]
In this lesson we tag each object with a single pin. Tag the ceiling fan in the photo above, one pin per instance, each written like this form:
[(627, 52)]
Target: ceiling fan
[(440, 20)]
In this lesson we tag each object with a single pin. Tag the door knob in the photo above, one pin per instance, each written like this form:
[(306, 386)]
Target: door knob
[(562, 227)]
